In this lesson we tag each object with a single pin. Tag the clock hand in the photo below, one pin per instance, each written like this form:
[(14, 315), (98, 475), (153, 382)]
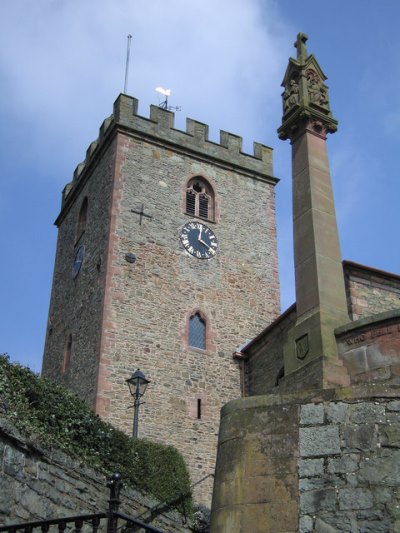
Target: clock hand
[(200, 230), (210, 248), (205, 244)]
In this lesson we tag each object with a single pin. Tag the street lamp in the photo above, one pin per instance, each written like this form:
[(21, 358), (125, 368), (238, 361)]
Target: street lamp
[(137, 387)]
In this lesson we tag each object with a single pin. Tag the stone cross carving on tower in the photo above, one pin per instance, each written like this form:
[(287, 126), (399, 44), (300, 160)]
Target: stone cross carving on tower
[(141, 214)]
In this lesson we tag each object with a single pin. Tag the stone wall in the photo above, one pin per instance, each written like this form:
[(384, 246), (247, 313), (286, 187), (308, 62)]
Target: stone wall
[(255, 485), (322, 461), (166, 285), (349, 473), (37, 485), (125, 315), (264, 355), (370, 348), (368, 345), (77, 302), (370, 291)]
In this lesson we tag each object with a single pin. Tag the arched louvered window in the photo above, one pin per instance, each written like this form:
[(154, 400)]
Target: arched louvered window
[(197, 332), (200, 199), (82, 217)]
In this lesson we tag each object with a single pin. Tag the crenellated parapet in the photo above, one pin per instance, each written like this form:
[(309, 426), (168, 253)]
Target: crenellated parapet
[(159, 129), (160, 126)]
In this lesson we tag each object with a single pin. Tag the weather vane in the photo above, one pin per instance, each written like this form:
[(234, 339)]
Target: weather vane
[(164, 103)]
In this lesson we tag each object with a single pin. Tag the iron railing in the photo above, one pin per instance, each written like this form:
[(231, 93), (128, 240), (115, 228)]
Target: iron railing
[(113, 519)]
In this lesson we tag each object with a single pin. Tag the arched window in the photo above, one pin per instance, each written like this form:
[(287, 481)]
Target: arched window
[(67, 354), (200, 199), (82, 217), (197, 332)]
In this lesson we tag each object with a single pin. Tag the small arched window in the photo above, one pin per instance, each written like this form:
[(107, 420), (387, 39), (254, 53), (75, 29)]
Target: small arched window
[(200, 198), (197, 332), (67, 354), (82, 217)]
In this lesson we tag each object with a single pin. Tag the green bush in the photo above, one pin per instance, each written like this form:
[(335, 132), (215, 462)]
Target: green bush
[(59, 419)]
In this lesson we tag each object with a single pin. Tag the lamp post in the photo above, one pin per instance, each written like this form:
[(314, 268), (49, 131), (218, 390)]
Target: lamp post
[(137, 387)]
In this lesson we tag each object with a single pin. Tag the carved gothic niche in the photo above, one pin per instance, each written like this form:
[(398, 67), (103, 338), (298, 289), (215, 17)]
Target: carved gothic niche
[(290, 96), (317, 90), (305, 95), (317, 126)]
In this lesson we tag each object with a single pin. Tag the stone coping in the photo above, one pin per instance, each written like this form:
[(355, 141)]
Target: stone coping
[(349, 266), (342, 394), (367, 321)]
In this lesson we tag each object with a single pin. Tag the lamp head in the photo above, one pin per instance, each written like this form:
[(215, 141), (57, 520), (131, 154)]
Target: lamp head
[(137, 383)]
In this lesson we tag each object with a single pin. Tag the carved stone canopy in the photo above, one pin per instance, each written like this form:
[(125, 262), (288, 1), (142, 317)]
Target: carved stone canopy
[(305, 94)]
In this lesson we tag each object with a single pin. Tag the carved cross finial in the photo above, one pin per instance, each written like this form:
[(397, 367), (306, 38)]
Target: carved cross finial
[(300, 44)]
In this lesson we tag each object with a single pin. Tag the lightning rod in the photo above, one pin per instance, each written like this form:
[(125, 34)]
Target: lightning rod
[(128, 50)]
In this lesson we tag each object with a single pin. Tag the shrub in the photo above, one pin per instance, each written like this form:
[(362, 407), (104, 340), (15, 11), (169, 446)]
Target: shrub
[(57, 418)]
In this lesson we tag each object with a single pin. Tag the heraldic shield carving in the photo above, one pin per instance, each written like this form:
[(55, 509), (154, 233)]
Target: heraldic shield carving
[(302, 346)]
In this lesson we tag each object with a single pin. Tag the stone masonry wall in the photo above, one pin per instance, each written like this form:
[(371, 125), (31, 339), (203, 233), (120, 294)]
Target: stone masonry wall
[(38, 485), (368, 345), (77, 303), (264, 363), (367, 299), (256, 480), (349, 473), (324, 461), (124, 315), (370, 291), (148, 303), (370, 348)]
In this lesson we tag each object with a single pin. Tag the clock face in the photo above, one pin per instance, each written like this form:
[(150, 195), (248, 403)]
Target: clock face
[(199, 240), (80, 254)]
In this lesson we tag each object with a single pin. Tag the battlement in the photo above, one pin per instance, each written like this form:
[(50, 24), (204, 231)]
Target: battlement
[(159, 128)]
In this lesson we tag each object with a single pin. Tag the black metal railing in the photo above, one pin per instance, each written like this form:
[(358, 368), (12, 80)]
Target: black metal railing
[(112, 519)]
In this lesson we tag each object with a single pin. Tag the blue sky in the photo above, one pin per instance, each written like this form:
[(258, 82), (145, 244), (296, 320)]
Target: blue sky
[(62, 66)]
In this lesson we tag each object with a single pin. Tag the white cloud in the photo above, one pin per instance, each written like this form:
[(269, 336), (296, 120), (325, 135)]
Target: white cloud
[(62, 64), (222, 60)]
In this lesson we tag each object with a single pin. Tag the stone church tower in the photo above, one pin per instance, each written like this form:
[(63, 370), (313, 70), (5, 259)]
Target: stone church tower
[(166, 261)]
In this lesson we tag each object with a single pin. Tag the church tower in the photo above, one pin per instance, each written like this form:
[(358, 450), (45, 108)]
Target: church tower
[(166, 261)]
